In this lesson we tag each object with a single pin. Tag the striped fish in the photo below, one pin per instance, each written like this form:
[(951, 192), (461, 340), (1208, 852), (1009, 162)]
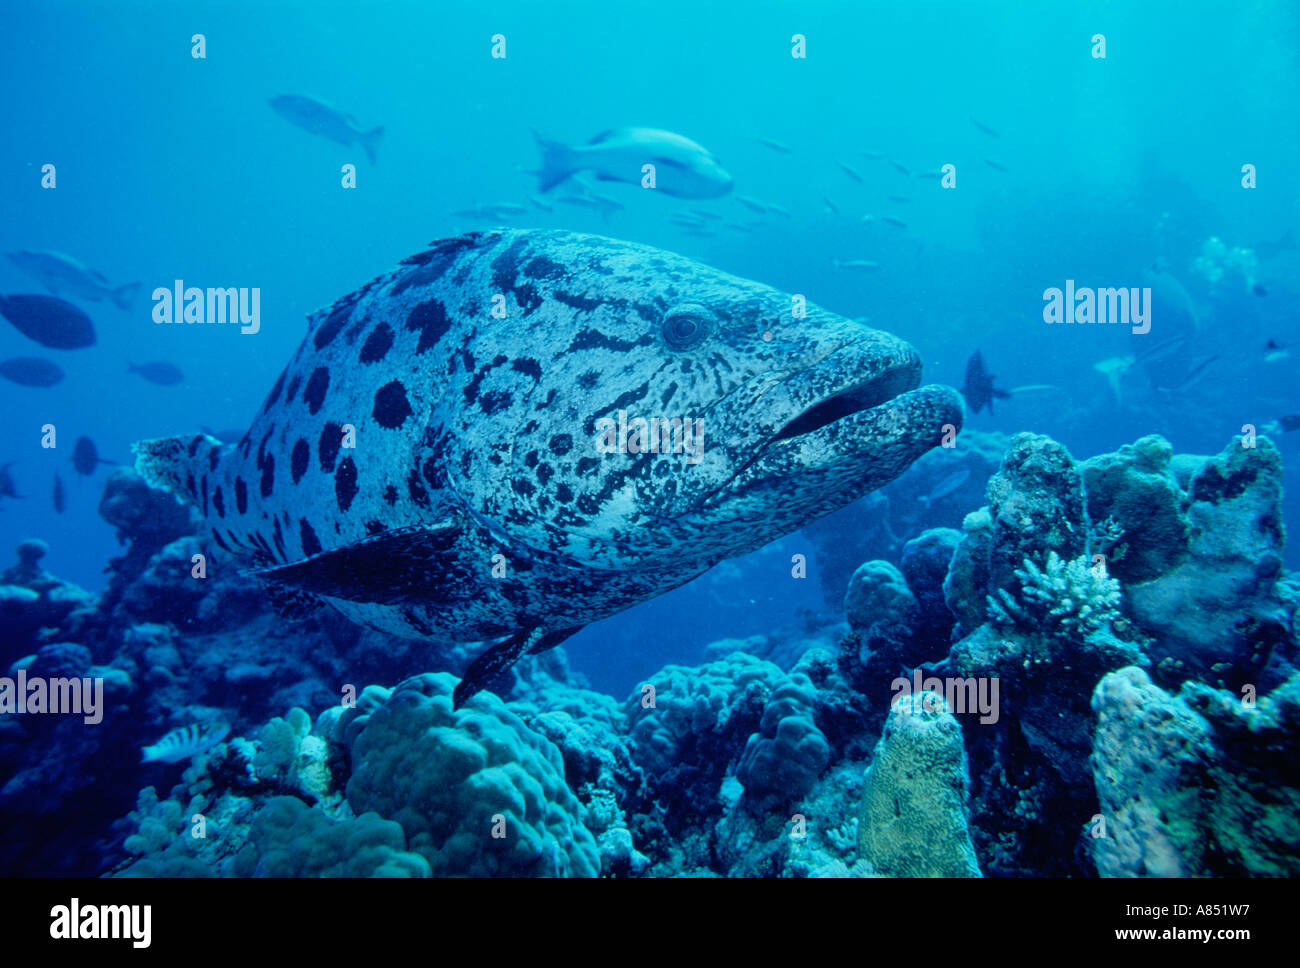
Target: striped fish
[(181, 744)]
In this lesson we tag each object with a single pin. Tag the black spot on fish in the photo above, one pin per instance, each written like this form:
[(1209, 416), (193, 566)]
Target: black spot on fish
[(590, 339), (528, 298), (668, 394), (241, 495), (625, 399), (586, 466), (431, 319), (219, 502), (576, 301), (345, 483), (432, 471), (588, 504), (471, 388), (530, 367), (214, 458), (391, 406), (540, 267), (494, 401), (390, 495), (331, 439), (203, 486), (375, 527), (544, 473), (216, 536), (588, 379), (194, 446), (268, 476), (310, 543), (292, 390), (564, 494), (414, 621), (523, 486), (434, 262), (550, 398), (530, 459), (416, 490), (377, 344), (278, 537), (505, 267), (561, 444), (191, 486), (317, 385), (334, 322), (299, 459)]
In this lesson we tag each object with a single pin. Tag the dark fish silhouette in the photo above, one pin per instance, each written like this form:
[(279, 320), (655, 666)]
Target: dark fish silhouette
[(162, 373), (319, 118), (978, 389), (48, 320), (85, 457), (7, 482), (60, 499), (31, 371)]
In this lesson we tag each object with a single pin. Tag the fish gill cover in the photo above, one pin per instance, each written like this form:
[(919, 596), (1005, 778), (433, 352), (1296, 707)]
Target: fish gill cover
[(828, 441)]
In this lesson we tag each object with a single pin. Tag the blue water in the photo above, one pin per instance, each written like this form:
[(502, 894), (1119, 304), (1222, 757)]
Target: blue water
[(170, 167)]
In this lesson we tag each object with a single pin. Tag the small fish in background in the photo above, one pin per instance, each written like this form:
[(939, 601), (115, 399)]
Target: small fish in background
[(753, 204), (901, 168), (60, 497), (737, 226), (541, 203), (1114, 370), (160, 372), (85, 457), (1190, 378), (1283, 425), (61, 274), (985, 128), (184, 743), (862, 265), (7, 488), (1275, 352), (603, 204), (830, 206), (872, 154), (978, 389), (850, 171), (946, 486), (1258, 289), (706, 214), (1266, 250), (48, 320), (319, 118), (896, 222), (931, 175), (779, 210), (899, 199), (686, 220), (996, 165), (31, 371), (491, 212), (683, 168), (775, 146)]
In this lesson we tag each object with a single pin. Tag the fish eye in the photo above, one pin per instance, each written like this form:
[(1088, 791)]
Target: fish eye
[(687, 326)]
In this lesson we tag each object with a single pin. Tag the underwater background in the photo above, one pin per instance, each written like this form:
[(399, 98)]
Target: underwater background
[(1127, 692)]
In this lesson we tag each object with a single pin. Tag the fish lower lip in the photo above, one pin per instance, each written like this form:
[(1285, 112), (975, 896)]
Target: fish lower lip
[(862, 396)]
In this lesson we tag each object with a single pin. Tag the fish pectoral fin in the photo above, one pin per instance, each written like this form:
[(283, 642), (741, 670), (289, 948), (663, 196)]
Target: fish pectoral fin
[(499, 658), (400, 566)]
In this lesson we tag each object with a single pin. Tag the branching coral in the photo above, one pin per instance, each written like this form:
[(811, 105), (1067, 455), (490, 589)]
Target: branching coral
[(1064, 599)]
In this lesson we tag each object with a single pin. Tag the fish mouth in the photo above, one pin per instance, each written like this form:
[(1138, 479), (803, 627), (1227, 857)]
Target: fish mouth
[(861, 420)]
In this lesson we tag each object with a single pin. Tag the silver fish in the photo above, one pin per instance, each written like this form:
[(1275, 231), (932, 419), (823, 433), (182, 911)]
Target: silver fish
[(63, 275), (683, 168), (184, 743), (319, 118)]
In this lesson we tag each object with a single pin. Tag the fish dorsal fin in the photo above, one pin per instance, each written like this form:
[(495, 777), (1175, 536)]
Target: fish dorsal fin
[(494, 662), (399, 566)]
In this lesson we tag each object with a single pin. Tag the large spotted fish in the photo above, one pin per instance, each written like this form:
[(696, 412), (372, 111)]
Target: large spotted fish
[(480, 498)]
